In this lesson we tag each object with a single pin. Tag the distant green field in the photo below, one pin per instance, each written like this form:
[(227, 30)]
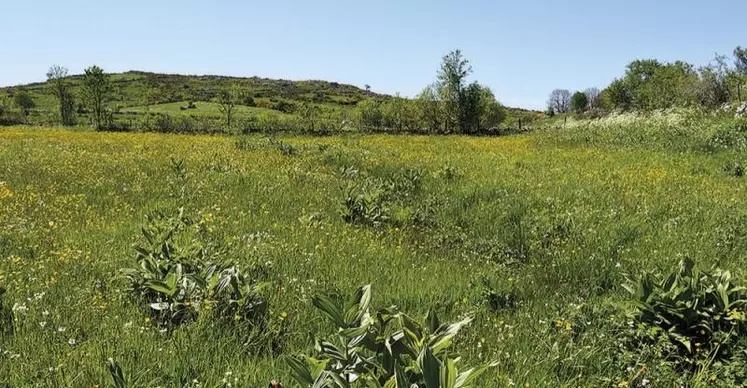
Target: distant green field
[(533, 235), (203, 108)]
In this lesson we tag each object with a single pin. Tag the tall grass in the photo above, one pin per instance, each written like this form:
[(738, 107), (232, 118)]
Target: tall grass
[(532, 234)]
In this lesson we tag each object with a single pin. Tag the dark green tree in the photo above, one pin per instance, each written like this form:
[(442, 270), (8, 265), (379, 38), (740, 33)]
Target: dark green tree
[(452, 80), (368, 114), (579, 102), (228, 98), (428, 108), (24, 101), (740, 60), (96, 93), (57, 79), (394, 111), (617, 95), (470, 108), (492, 113)]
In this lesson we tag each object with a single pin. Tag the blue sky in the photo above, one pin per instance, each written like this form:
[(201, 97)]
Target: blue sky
[(522, 49)]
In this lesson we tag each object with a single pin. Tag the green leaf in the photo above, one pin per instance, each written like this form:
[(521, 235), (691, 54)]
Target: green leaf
[(448, 374), (171, 278), (411, 328), (330, 309), (433, 322), (339, 381), (329, 349), (365, 299), (400, 376), (431, 368), (685, 341), (442, 339), (118, 379), (159, 286), (466, 377), (300, 371), (356, 331)]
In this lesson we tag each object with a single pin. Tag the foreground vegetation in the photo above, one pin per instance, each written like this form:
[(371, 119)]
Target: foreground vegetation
[(217, 261)]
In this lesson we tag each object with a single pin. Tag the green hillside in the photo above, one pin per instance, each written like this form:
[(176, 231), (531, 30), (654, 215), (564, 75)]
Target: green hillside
[(141, 92), (185, 103)]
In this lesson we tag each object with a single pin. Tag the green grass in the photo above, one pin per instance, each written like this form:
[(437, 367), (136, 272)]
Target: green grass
[(210, 109), (549, 219)]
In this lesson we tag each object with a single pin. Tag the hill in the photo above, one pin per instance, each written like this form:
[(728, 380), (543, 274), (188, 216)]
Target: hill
[(188, 103), (140, 92)]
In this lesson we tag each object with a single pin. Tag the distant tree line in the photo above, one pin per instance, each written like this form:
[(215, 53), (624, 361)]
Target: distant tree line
[(450, 105), (94, 96), (649, 84)]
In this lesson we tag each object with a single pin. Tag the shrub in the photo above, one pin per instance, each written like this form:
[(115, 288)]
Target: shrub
[(6, 318), (449, 173), (405, 183), (703, 314), (384, 348), (370, 200), (730, 136), (364, 204), (178, 278), (484, 292)]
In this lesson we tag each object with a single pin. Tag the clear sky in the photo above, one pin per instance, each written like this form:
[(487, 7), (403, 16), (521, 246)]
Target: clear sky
[(522, 49)]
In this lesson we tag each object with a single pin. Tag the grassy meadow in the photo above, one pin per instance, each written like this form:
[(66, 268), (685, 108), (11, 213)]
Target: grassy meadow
[(531, 234)]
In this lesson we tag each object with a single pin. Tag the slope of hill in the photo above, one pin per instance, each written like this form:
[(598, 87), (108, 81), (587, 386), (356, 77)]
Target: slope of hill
[(189, 103), (137, 88)]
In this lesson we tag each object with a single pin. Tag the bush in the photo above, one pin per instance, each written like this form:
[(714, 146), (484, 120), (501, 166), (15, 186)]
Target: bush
[(364, 204), (370, 200), (702, 314), (730, 136), (6, 318), (383, 348), (178, 278)]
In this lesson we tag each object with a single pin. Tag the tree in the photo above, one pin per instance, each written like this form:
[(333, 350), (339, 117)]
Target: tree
[(714, 87), (594, 98), (24, 101), (579, 102), (740, 63), (96, 93), (452, 78), (56, 76), (227, 99), (429, 110), (672, 84), (368, 88), (649, 84), (470, 108), (560, 101), (368, 114), (617, 95), (393, 112), (740, 60), (492, 112)]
